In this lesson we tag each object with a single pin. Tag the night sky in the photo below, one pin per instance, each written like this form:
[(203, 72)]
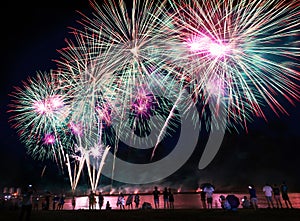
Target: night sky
[(269, 152)]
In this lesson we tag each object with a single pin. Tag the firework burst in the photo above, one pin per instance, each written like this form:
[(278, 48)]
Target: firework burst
[(133, 42), (243, 53), (39, 113)]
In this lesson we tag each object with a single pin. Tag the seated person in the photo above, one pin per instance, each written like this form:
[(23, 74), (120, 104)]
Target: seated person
[(224, 203), (246, 203), (108, 207)]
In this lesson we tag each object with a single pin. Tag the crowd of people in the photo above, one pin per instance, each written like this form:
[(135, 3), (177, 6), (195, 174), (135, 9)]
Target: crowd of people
[(168, 198), (126, 202), (122, 203), (276, 196), (231, 202), (271, 193)]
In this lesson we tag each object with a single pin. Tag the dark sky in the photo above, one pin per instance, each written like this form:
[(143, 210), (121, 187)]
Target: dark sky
[(269, 152)]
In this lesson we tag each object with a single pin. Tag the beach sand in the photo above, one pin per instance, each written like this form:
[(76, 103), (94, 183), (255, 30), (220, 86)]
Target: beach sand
[(158, 215)]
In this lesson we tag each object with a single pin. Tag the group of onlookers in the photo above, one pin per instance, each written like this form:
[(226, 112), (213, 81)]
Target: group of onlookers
[(231, 202), (168, 198), (271, 192), (122, 203), (273, 195)]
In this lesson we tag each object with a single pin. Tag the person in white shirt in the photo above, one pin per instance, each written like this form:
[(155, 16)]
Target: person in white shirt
[(209, 190), (267, 189)]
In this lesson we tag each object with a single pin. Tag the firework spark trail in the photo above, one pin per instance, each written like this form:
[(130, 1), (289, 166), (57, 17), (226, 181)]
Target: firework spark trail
[(252, 46), (163, 130), (43, 171), (95, 158), (80, 160), (99, 167)]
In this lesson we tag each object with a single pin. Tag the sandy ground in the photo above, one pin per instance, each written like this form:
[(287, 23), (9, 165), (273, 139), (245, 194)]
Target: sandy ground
[(158, 215)]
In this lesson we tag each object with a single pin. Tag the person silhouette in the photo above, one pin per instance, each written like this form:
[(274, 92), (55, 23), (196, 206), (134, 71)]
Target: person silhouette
[(209, 190), (203, 199), (73, 202), (26, 206), (268, 190), (92, 200), (155, 194), (61, 202), (121, 201), (253, 197), (276, 191), (171, 199), (246, 203), (108, 207), (224, 203), (137, 200), (129, 201), (100, 200), (285, 196), (166, 198), (35, 202)]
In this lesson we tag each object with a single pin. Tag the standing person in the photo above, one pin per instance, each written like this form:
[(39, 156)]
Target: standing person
[(55, 199), (47, 200), (203, 198), (121, 201), (61, 202), (155, 194), (285, 196), (129, 201), (171, 199), (276, 192), (166, 198), (35, 201), (137, 200), (100, 200), (253, 197), (26, 204), (73, 202), (209, 190), (92, 200), (267, 189)]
